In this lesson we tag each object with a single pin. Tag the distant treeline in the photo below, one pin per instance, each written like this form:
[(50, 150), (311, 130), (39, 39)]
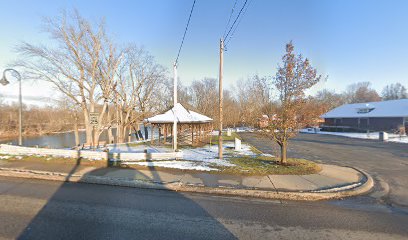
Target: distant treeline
[(36, 120)]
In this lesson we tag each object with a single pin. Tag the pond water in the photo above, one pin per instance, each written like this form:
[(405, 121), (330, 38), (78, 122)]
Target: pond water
[(65, 140)]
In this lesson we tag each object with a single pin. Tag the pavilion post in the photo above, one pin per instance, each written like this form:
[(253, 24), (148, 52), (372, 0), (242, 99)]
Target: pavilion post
[(199, 132), (151, 134), (165, 133), (192, 134)]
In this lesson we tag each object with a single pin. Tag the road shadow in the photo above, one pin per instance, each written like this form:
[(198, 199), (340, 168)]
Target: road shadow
[(91, 211)]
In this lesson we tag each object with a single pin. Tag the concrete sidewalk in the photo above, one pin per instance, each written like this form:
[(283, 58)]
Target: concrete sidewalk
[(332, 179)]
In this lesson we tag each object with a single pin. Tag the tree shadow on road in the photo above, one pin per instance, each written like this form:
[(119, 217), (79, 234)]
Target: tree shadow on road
[(91, 211)]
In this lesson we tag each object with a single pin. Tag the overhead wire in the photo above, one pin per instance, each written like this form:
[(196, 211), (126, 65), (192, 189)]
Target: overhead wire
[(236, 26), (229, 19), (235, 21), (185, 31)]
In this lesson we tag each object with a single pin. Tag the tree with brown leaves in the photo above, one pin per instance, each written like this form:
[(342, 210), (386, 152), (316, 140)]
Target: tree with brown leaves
[(291, 81)]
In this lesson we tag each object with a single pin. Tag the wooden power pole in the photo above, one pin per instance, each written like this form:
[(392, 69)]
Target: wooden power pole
[(221, 99)]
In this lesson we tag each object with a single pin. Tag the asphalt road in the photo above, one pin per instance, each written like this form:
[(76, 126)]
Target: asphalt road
[(34, 209), (387, 162)]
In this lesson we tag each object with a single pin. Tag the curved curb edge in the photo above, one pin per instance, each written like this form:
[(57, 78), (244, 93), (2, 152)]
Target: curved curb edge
[(365, 187)]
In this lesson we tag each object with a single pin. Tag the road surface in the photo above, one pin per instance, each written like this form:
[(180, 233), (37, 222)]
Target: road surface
[(386, 162), (35, 209)]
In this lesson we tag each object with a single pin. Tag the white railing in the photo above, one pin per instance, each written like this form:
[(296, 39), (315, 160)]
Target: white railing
[(95, 155)]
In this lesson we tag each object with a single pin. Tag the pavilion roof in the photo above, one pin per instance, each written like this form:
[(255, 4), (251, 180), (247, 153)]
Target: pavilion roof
[(181, 115)]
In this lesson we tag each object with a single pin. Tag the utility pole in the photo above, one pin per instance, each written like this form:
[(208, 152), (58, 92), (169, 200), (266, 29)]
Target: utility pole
[(221, 98), (174, 105)]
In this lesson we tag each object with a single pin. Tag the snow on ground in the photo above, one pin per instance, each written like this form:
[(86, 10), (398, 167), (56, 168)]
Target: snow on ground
[(338, 189), (194, 158), (133, 148), (209, 154), (371, 135), (398, 139), (185, 165)]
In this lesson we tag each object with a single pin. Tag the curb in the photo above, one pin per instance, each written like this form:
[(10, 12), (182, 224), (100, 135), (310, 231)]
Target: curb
[(366, 184)]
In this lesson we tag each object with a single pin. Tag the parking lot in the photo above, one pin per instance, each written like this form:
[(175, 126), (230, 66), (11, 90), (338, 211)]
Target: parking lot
[(387, 162)]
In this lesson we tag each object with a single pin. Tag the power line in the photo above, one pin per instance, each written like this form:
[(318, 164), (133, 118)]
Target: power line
[(185, 31), (239, 21), (229, 19), (235, 21)]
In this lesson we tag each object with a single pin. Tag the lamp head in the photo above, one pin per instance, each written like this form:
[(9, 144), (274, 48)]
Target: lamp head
[(4, 81)]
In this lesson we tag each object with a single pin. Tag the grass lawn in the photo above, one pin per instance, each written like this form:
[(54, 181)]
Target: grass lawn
[(263, 165), (244, 164), (225, 138)]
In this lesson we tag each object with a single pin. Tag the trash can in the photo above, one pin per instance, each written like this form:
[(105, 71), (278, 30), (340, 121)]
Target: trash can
[(383, 136)]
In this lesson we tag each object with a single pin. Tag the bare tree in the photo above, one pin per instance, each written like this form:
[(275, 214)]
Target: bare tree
[(291, 80), (39, 120), (81, 64), (183, 94), (205, 96), (138, 90), (329, 99), (361, 92), (230, 109), (254, 97), (394, 91)]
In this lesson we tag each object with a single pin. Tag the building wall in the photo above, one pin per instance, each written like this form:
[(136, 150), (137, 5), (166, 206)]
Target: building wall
[(385, 124), (361, 124)]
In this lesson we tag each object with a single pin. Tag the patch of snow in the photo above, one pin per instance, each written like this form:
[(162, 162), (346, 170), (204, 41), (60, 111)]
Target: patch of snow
[(5, 157), (403, 139), (210, 154), (338, 189), (371, 135), (215, 133), (244, 129), (185, 165), (194, 158), (120, 148)]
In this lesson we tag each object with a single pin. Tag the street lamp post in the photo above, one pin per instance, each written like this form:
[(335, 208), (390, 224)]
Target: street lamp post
[(4, 82)]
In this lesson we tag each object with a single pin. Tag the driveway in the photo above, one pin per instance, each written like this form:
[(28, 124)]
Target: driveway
[(387, 162)]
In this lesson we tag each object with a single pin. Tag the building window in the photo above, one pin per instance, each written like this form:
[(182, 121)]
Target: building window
[(364, 110)]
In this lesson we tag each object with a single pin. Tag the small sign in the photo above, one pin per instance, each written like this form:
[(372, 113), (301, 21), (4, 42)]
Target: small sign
[(93, 118), (237, 144), (229, 132)]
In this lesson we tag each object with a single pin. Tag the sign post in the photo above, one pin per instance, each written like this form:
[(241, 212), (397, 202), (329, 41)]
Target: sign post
[(94, 121)]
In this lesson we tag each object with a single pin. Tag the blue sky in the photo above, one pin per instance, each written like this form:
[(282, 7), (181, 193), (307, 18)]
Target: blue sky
[(351, 41)]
